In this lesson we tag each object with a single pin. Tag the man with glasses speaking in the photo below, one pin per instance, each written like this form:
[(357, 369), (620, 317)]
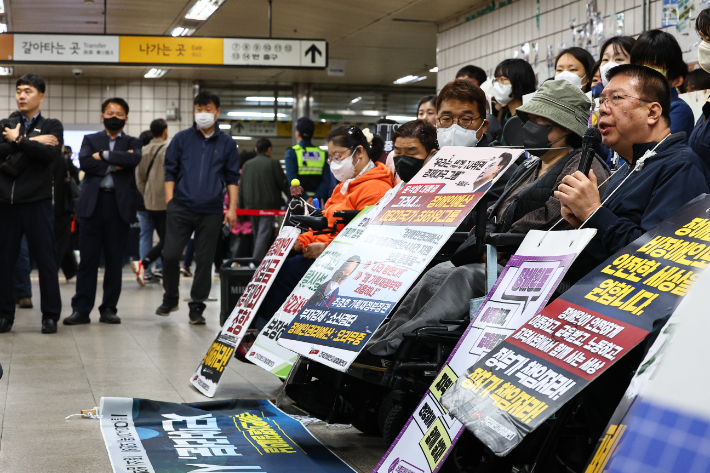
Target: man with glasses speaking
[(660, 173)]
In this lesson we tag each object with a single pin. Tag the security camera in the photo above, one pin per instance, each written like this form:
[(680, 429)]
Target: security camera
[(77, 72)]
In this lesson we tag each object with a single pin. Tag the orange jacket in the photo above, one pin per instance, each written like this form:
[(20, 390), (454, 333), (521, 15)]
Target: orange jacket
[(366, 190)]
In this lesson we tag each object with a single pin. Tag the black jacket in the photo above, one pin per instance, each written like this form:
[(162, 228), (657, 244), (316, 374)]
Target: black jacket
[(26, 169), (64, 172), (124, 180)]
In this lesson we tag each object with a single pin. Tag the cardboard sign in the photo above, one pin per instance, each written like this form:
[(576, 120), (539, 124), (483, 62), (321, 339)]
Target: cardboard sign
[(523, 288), (208, 374), (393, 251), (552, 357)]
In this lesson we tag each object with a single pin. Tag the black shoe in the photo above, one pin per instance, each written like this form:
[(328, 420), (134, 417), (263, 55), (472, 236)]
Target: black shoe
[(49, 326), (165, 309), (77, 318), (108, 316), (196, 316), (5, 325)]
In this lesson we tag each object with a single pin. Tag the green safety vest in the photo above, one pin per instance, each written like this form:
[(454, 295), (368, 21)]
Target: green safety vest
[(310, 160)]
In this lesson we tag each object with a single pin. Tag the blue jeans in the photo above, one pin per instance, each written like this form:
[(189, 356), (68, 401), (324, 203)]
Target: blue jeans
[(146, 237), (21, 274)]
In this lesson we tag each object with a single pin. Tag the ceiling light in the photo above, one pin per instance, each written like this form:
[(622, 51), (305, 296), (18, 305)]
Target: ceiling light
[(202, 9), (6, 71), (400, 118), (180, 31), (409, 79), (255, 114), (434, 69), (269, 99), (242, 138), (155, 73), (225, 126), (356, 100), (324, 147)]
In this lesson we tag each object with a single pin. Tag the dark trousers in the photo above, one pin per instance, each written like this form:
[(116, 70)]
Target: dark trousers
[(158, 217), (263, 229), (104, 233), (65, 256), (36, 222), (291, 273), (21, 273), (180, 224)]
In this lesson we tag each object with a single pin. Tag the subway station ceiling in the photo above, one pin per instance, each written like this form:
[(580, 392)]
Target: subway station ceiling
[(381, 40)]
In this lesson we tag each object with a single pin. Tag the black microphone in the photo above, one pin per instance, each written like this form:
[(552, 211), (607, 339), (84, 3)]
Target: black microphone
[(591, 141)]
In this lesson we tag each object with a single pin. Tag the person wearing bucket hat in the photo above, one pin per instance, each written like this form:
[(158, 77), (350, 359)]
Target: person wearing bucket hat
[(555, 121)]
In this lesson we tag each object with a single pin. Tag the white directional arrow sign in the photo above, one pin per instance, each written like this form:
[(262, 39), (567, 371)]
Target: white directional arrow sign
[(297, 53)]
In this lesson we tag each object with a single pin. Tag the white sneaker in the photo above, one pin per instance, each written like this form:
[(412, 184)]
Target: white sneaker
[(138, 268)]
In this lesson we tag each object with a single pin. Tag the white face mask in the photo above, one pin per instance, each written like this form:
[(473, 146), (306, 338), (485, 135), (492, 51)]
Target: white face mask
[(343, 169), (570, 77), (456, 135), (704, 56), (502, 93), (603, 69), (204, 120)]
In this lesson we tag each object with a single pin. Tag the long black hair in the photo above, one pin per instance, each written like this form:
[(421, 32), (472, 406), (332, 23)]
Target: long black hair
[(625, 43), (656, 47), (520, 74), (351, 137), (584, 58)]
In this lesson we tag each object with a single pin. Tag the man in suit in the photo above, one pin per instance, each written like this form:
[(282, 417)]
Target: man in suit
[(329, 290), (107, 207), (29, 146)]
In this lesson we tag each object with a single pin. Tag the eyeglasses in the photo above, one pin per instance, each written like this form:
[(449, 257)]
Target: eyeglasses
[(616, 98), (464, 122), (339, 157)]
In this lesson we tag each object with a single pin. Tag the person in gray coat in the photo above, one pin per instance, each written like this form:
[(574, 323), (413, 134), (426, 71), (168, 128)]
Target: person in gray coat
[(260, 188)]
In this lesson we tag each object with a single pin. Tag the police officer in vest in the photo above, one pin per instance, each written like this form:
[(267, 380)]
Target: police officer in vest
[(307, 163)]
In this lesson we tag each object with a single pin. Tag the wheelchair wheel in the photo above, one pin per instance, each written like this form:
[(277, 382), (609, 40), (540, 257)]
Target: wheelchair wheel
[(394, 423)]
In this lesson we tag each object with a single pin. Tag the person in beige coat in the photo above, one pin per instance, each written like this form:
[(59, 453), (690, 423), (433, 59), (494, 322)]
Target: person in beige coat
[(150, 179)]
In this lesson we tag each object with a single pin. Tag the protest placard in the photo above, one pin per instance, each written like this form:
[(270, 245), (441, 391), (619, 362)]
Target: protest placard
[(394, 249), (235, 435), (557, 353), (646, 383), (208, 374), (266, 352), (523, 288)]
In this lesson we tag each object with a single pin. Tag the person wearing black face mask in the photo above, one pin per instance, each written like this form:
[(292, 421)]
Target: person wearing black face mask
[(106, 208), (414, 143)]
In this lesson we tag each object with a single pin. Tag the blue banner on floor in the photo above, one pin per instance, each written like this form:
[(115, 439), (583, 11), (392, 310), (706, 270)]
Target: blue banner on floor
[(144, 436)]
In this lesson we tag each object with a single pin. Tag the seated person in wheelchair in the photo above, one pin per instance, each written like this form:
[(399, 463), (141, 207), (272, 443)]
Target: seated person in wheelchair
[(658, 175), (555, 121), (413, 144), (353, 156)]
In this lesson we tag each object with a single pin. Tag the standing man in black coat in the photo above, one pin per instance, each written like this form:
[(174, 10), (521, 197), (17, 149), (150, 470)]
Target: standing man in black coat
[(29, 146), (107, 207)]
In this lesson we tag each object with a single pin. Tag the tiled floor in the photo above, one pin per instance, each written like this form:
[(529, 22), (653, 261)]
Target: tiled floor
[(48, 377)]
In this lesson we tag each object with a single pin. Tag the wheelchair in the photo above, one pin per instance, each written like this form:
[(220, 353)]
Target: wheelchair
[(379, 400)]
